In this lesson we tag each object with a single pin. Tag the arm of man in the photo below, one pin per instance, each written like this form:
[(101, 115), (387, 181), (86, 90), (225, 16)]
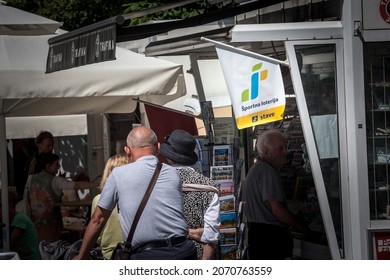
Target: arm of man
[(210, 229), (210, 233), (95, 226), (195, 233), (283, 215), (211, 221), (208, 251)]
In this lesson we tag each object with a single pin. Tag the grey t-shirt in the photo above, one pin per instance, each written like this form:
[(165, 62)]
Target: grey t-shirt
[(261, 184), (163, 214)]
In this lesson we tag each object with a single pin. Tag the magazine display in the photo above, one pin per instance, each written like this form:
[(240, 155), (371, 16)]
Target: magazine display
[(223, 172)]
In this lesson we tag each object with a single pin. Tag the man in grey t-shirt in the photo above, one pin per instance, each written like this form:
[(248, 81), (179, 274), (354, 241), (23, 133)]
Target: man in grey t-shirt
[(161, 232), (268, 217)]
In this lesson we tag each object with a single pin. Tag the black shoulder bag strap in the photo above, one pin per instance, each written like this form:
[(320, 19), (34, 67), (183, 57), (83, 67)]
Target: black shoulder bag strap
[(143, 203)]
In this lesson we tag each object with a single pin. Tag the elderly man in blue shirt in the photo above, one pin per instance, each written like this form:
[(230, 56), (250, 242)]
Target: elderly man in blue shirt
[(162, 230)]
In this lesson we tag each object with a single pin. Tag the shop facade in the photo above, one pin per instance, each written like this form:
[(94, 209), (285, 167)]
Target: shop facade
[(337, 106), (340, 73)]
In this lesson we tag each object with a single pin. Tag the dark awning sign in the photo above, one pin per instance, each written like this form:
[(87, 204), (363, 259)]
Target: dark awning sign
[(87, 48)]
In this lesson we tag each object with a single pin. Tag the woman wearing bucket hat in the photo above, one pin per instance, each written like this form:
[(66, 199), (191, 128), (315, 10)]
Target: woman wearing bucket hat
[(200, 196)]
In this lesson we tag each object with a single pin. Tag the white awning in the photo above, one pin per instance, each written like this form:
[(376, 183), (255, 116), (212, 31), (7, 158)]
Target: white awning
[(17, 22), (108, 86), (29, 127)]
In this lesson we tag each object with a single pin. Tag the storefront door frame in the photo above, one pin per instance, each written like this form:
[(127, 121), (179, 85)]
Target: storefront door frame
[(351, 119), (311, 143)]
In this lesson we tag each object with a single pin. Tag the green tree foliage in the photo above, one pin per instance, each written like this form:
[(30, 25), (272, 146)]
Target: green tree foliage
[(183, 12), (73, 13), (78, 13)]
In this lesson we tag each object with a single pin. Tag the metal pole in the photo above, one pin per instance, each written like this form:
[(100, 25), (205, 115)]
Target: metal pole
[(201, 94), (245, 52), (4, 179)]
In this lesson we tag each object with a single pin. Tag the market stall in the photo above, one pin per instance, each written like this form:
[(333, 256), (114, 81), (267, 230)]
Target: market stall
[(106, 87)]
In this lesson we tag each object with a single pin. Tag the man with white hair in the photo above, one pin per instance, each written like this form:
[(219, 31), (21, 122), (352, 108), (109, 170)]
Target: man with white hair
[(268, 218)]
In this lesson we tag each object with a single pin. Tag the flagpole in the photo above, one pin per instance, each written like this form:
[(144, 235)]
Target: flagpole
[(245, 52)]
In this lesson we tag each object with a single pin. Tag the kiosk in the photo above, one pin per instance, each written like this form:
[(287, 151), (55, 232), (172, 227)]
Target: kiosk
[(340, 73)]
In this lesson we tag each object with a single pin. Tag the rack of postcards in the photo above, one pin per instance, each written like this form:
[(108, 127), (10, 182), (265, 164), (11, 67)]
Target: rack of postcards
[(225, 171)]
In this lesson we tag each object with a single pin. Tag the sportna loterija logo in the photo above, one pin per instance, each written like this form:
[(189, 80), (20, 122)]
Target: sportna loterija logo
[(256, 77)]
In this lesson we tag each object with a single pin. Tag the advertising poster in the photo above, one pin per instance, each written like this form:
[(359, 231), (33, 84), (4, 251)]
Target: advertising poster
[(381, 245)]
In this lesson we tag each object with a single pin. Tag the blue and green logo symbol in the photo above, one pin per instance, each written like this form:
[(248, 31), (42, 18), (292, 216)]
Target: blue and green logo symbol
[(258, 75)]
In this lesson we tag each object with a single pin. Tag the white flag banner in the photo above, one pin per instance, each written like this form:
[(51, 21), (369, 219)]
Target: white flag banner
[(255, 87)]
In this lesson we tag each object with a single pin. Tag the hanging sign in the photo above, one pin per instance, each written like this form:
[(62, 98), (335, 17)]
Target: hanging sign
[(255, 86), (381, 245), (376, 14), (384, 9), (92, 47)]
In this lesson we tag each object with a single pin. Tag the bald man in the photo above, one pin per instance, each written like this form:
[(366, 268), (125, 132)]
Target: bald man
[(162, 229)]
